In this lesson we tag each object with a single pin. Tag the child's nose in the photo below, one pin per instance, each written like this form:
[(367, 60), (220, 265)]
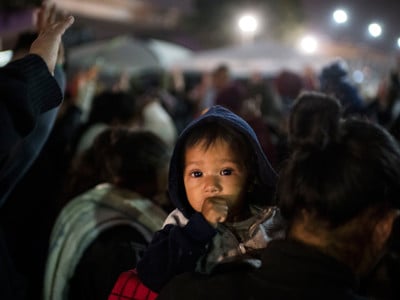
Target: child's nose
[(212, 184)]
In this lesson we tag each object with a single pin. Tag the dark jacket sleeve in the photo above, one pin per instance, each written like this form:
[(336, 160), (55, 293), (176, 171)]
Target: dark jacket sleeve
[(174, 250), (28, 90)]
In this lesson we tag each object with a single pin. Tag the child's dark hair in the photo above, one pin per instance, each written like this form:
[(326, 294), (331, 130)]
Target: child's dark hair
[(338, 168), (211, 131)]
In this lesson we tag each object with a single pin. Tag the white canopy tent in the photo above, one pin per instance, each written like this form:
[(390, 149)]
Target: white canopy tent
[(265, 57), (126, 54)]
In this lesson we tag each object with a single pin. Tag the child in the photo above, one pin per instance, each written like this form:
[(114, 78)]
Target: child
[(222, 186)]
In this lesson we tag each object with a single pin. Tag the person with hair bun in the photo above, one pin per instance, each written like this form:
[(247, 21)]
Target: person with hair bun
[(339, 192)]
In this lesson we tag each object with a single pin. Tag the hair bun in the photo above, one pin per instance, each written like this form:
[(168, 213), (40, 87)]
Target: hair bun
[(314, 121)]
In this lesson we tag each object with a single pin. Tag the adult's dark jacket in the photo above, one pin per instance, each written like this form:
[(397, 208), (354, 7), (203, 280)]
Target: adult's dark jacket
[(29, 95), (289, 270), (28, 91)]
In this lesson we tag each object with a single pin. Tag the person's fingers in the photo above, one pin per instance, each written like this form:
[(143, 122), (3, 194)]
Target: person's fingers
[(43, 15), (216, 200), (61, 14), (221, 219), (216, 208), (64, 24), (57, 29), (39, 17), (52, 16), (48, 42)]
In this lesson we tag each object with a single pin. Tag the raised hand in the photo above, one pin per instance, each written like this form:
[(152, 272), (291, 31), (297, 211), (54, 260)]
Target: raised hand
[(51, 26)]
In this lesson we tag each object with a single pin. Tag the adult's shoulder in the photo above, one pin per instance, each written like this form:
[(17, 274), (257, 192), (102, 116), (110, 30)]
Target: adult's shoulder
[(227, 281)]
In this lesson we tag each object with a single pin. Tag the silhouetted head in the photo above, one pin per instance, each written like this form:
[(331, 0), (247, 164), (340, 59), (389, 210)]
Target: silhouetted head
[(342, 178)]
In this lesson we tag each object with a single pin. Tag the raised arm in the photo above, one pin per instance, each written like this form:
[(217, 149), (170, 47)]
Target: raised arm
[(27, 91)]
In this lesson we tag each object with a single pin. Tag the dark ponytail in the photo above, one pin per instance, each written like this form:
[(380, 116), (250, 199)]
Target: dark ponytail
[(338, 168), (314, 122)]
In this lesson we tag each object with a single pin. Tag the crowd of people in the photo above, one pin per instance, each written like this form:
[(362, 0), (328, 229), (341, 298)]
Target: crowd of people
[(286, 187)]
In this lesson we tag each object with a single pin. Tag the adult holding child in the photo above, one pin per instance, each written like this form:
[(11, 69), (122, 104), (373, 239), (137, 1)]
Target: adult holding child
[(339, 192), (222, 186)]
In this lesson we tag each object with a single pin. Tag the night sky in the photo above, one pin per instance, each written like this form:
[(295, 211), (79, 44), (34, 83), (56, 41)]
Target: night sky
[(361, 13)]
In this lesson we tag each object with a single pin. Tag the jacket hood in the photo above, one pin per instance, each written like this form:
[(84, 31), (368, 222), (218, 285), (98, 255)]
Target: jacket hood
[(265, 174)]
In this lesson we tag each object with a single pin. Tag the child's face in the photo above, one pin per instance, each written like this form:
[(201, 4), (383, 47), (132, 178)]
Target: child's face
[(215, 172)]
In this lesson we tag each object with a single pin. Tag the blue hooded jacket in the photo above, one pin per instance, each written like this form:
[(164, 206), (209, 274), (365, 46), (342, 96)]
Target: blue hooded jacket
[(186, 235), (266, 175)]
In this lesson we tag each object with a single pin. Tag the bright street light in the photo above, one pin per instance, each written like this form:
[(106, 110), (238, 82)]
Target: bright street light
[(309, 44), (340, 16), (248, 24), (375, 30), (398, 42)]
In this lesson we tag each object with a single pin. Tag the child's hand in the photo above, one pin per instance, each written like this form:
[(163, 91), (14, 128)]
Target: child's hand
[(215, 210)]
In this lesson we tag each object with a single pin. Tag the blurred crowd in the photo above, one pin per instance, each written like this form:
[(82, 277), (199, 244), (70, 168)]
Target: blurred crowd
[(111, 141)]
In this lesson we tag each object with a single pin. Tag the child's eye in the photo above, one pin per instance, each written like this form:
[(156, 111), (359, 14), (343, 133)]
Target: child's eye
[(196, 174), (226, 172)]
